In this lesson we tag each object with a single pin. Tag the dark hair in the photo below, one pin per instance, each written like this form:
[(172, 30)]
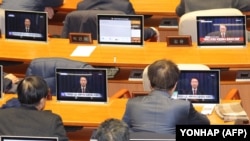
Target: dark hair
[(112, 130), (163, 74), (31, 90)]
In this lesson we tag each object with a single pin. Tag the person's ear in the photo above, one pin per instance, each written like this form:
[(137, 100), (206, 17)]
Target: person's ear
[(41, 104)]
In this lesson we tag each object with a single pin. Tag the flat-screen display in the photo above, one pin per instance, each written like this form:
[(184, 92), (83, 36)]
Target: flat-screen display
[(224, 31), (26, 25), (81, 85), (199, 86), (120, 29)]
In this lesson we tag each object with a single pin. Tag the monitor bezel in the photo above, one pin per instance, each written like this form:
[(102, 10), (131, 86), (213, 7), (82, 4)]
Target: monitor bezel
[(79, 70), (18, 38), (27, 138), (108, 16), (241, 44), (216, 72)]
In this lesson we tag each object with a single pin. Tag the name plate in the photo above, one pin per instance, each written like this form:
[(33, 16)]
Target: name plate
[(179, 41), (83, 38)]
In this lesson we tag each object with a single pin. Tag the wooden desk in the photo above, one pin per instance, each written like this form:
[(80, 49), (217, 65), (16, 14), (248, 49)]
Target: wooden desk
[(145, 7), (128, 58), (125, 56), (91, 115)]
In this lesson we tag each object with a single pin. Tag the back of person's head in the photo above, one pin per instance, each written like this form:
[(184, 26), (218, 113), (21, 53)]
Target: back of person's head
[(112, 130), (31, 90), (163, 74)]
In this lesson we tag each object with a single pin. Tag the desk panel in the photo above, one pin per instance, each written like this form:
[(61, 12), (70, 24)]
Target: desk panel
[(127, 56), (146, 7), (91, 115)]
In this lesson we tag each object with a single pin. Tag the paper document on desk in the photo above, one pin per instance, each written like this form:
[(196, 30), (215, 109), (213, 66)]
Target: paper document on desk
[(83, 51), (231, 111)]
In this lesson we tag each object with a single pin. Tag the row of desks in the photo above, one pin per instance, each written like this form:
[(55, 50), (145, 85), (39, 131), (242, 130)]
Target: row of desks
[(91, 115), (127, 56)]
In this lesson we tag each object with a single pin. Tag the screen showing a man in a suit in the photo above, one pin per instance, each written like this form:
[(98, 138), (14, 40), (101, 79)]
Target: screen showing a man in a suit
[(221, 30), (81, 86), (197, 87), (26, 25)]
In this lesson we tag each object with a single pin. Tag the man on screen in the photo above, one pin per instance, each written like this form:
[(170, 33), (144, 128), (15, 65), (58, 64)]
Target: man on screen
[(83, 85), (27, 26), (222, 33), (194, 82)]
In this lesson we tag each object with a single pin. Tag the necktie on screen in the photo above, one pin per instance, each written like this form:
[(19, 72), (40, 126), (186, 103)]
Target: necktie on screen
[(194, 92), (223, 35)]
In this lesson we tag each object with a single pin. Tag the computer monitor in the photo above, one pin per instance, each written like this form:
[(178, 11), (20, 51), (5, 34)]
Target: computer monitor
[(221, 31), (68, 88), (206, 84), (1, 81), (120, 29), (26, 25), (27, 138)]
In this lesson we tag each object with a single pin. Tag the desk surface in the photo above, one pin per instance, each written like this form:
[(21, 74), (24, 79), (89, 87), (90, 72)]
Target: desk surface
[(144, 7), (91, 115), (158, 7), (125, 56)]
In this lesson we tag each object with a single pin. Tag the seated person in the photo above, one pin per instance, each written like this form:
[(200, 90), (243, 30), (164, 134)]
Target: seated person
[(119, 5), (32, 92), (158, 112), (186, 6), (112, 130)]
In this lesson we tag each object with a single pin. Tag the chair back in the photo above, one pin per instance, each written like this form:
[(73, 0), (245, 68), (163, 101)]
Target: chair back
[(83, 21), (45, 67), (187, 22)]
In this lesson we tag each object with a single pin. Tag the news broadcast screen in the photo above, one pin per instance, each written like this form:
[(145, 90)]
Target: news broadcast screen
[(26, 25), (81, 85), (199, 86), (221, 30)]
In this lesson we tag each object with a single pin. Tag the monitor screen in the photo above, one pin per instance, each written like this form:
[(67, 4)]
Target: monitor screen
[(120, 29), (81, 85), (27, 138), (221, 31), (199, 86), (26, 25)]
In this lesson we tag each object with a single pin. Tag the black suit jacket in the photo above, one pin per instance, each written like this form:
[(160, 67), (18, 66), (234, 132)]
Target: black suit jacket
[(198, 92), (27, 121), (87, 90), (119, 5), (31, 30)]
